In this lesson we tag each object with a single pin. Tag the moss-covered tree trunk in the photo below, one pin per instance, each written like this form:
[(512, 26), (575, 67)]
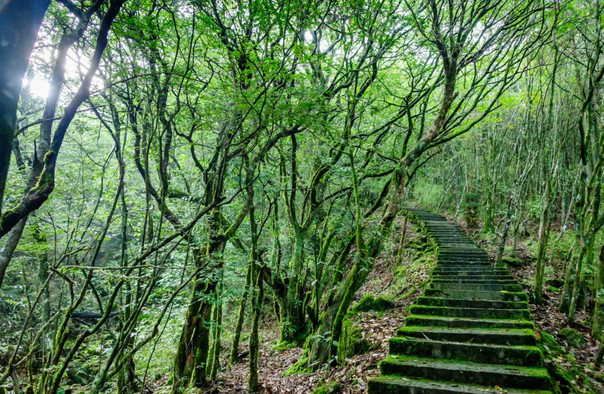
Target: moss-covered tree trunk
[(240, 317), (597, 325), (292, 314), (543, 236)]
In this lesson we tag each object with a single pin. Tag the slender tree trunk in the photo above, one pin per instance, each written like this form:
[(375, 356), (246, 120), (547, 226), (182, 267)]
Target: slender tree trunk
[(544, 231), (598, 315), (240, 317), (215, 355)]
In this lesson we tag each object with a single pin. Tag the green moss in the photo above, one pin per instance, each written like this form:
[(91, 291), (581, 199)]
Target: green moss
[(300, 367), (328, 388), (512, 261), (285, 345), (573, 338), (371, 304), (410, 292), (351, 341)]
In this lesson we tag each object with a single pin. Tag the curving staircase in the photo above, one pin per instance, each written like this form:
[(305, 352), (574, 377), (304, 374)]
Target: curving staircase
[(470, 331)]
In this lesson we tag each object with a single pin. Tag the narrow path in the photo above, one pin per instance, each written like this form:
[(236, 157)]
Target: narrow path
[(470, 331)]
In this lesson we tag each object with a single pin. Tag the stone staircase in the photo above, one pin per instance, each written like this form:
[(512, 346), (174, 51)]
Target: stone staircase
[(470, 331)]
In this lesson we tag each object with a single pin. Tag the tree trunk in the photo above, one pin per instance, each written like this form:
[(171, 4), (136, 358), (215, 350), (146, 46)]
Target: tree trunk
[(598, 314), (241, 316), (19, 24), (544, 230)]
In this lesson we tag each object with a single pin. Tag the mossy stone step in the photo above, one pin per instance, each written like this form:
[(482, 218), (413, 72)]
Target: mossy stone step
[(461, 322), (475, 286), (472, 311), (459, 253), (474, 335), (481, 313), (461, 302), (448, 262), (461, 279), (401, 385), (478, 276), (477, 295), (470, 270), (529, 356), (465, 372)]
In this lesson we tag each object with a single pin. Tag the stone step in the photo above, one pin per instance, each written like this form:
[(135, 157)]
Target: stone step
[(461, 260), (495, 336), (478, 276), (475, 286), (467, 322), (454, 264), (529, 356), (480, 313), (461, 302), (470, 270), (459, 279), (459, 253), (401, 385), (469, 332), (466, 372), (477, 295)]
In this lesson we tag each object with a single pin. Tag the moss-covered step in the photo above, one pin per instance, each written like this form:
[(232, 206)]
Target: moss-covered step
[(458, 322), (469, 332), (462, 302), (471, 270), (402, 385), (477, 295), (461, 268), (461, 279), (452, 264), (475, 286), (466, 277), (467, 372), (494, 336), (481, 313), (477, 264), (458, 255), (528, 356)]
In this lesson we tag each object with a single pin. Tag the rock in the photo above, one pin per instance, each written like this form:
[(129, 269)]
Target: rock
[(573, 338), (371, 304), (555, 282), (328, 388)]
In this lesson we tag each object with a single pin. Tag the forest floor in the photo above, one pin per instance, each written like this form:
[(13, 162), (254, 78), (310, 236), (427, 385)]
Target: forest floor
[(353, 374)]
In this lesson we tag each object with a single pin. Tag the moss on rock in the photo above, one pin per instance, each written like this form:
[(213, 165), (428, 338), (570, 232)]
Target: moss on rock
[(328, 388), (573, 338), (351, 341), (369, 303)]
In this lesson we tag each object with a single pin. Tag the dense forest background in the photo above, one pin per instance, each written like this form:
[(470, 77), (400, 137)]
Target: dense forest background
[(185, 175)]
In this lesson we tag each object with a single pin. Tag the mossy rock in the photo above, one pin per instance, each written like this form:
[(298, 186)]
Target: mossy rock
[(285, 345), (573, 338), (371, 304), (553, 289), (512, 261), (555, 282), (328, 388)]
